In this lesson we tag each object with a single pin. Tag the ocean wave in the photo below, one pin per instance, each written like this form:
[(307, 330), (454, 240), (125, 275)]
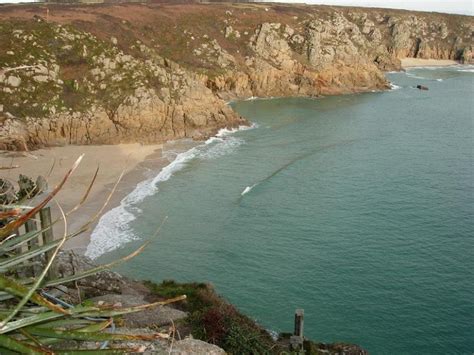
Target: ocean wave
[(223, 147), (394, 87), (113, 228), (466, 70), (253, 98)]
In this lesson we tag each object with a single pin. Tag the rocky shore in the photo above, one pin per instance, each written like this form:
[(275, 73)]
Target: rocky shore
[(202, 324), (148, 73)]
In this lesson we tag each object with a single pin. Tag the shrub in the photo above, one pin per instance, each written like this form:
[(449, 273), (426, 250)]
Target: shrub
[(214, 320)]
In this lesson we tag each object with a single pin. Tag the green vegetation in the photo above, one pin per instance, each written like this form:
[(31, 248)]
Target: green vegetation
[(214, 320), (51, 69), (31, 320)]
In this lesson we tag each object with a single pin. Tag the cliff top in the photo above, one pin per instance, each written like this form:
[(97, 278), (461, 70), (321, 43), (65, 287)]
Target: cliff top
[(149, 72)]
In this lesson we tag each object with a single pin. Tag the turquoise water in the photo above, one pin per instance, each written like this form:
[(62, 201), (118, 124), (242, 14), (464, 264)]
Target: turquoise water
[(356, 208)]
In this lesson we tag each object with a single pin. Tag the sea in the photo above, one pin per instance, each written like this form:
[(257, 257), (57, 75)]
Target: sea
[(356, 208)]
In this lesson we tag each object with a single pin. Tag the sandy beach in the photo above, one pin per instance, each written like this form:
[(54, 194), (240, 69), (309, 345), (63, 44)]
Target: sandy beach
[(137, 161), (417, 62)]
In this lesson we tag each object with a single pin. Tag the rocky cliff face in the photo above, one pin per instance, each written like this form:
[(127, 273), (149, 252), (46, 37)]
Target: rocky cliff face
[(150, 73)]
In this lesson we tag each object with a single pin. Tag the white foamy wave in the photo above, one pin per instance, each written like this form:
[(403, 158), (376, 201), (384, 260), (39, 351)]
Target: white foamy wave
[(248, 189), (111, 231), (225, 143), (224, 147), (394, 87), (440, 80), (466, 70), (113, 228), (223, 132), (213, 140), (252, 98)]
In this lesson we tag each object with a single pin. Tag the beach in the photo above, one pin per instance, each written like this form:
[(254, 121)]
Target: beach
[(418, 62), (135, 160)]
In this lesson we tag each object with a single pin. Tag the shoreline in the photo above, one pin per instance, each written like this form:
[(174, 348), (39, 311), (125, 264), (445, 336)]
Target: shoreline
[(417, 62), (139, 163), (135, 160), (112, 227)]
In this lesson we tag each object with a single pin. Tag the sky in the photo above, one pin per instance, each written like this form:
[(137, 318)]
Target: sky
[(465, 7)]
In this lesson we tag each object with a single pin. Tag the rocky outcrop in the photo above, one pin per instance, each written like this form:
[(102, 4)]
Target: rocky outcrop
[(206, 315), (194, 346), (169, 75)]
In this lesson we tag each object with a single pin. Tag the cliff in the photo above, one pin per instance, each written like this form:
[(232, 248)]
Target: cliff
[(114, 73), (204, 323)]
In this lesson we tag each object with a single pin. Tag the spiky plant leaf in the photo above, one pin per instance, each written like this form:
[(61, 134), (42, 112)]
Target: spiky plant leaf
[(17, 346), (16, 223), (14, 288), (86, 336)]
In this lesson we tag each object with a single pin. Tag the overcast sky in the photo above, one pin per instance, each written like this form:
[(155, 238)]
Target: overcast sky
[(452, 6)]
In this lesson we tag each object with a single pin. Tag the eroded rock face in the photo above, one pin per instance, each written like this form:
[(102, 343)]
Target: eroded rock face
[(69, 263), (63, 85)]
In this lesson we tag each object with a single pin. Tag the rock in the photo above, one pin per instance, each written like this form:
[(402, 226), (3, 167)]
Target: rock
[(145, 97), (157, 316), (27, 188), (41, 78), (69, 263), (422, 87), (333, 348), (41, 69), (152, 317), (13, 81), (228, 31), (467, 56), (41, 184), (7, 192), (194, 346)]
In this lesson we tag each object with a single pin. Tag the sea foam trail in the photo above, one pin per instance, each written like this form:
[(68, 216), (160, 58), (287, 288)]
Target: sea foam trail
[(113, 229), (248, 189)]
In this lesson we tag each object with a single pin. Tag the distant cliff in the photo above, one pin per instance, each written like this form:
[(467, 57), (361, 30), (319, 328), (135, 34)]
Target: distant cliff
[(77, 74)]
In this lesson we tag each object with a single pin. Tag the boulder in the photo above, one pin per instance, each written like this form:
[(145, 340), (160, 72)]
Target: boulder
[(69, 263), (13, 81), (152, 317), (7, 192), (422, 87), (194, 346)]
